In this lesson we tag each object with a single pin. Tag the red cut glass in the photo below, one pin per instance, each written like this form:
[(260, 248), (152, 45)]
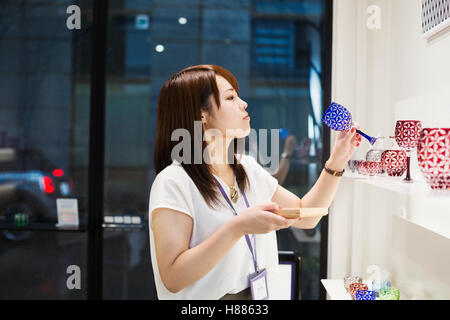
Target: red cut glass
[(407, 134), (433, 154), (373, 168), (394, 162), (362, 168), (354, 287)]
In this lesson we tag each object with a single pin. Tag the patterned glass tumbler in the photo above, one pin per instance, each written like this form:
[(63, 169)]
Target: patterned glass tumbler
[(354, 287), (362, 168), (374, 155), (348, 280), (394, 162), (377, 285), (391, 293), (433, 154), (353, 165), (373, 168), (381, 145), (365, 295)]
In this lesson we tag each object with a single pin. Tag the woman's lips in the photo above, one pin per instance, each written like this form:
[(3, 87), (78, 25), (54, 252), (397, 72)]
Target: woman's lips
[(247, 118)]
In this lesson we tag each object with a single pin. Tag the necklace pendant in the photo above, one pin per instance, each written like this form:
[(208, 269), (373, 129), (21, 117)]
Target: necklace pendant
[(234, 194)]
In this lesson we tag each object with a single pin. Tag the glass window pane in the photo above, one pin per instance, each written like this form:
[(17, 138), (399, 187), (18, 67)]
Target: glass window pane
[(127, 270), (126, 260), (37, 268), (44, 136), (275, 50)]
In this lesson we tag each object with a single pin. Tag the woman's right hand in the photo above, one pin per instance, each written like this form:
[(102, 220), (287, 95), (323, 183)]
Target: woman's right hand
[(261, 219)]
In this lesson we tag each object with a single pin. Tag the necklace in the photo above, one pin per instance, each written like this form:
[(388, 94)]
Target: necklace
[(233, 194)]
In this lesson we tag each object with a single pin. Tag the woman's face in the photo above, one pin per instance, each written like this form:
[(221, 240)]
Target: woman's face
[(230, 119)]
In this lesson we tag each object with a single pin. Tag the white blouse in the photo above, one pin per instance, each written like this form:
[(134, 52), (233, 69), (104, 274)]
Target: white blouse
[(174, 189)]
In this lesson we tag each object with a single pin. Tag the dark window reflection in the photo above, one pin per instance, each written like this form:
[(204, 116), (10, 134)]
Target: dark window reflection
[(43, 146), (127, 266), (37, 268)]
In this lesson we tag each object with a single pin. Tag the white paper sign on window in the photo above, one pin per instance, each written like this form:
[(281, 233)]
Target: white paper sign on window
[(67, 212)]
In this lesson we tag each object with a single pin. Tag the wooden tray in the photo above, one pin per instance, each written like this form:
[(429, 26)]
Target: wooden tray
[(295, 213)]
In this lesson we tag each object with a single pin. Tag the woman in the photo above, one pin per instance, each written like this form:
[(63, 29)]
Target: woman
[(212, 223)]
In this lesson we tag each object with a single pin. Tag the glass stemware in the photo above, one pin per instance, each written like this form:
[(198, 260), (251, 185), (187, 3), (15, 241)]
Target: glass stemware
[(338, 118), (407, 134)]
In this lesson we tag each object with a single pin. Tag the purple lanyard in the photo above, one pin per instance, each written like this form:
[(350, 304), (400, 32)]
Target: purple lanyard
[(247, 238)]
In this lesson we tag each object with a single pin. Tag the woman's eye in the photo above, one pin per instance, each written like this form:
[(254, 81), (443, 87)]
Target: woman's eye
[(230, 98)]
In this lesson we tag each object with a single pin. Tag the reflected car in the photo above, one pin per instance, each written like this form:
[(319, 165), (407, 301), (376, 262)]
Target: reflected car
[(30, 185)]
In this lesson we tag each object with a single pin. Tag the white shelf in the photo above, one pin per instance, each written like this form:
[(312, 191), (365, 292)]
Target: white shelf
[(416, 202), (417, 188), (336, 289)]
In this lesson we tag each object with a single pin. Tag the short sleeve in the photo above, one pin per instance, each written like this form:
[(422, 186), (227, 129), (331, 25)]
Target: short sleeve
[(168, 193), (263, 177)]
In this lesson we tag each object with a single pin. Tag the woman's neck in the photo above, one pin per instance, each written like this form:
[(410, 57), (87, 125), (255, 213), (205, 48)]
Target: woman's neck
[(218, 154)]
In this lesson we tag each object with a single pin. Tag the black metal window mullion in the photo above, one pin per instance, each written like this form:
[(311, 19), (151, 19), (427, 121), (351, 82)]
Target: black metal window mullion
[(326, 85), (97, 150)]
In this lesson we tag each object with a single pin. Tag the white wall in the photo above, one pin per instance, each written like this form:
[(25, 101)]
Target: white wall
[(383, 76)]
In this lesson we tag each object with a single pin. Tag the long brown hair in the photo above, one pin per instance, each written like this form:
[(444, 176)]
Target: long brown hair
[(182, 98)]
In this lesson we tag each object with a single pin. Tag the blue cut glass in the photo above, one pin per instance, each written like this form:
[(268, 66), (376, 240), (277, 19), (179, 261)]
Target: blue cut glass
[(364, 295), (338, 118)]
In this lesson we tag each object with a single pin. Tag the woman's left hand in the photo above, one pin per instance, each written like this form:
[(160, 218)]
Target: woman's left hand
[(345, 146), (290, 145)]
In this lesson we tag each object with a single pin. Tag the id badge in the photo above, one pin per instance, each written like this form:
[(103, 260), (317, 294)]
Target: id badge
[(258, 285)]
